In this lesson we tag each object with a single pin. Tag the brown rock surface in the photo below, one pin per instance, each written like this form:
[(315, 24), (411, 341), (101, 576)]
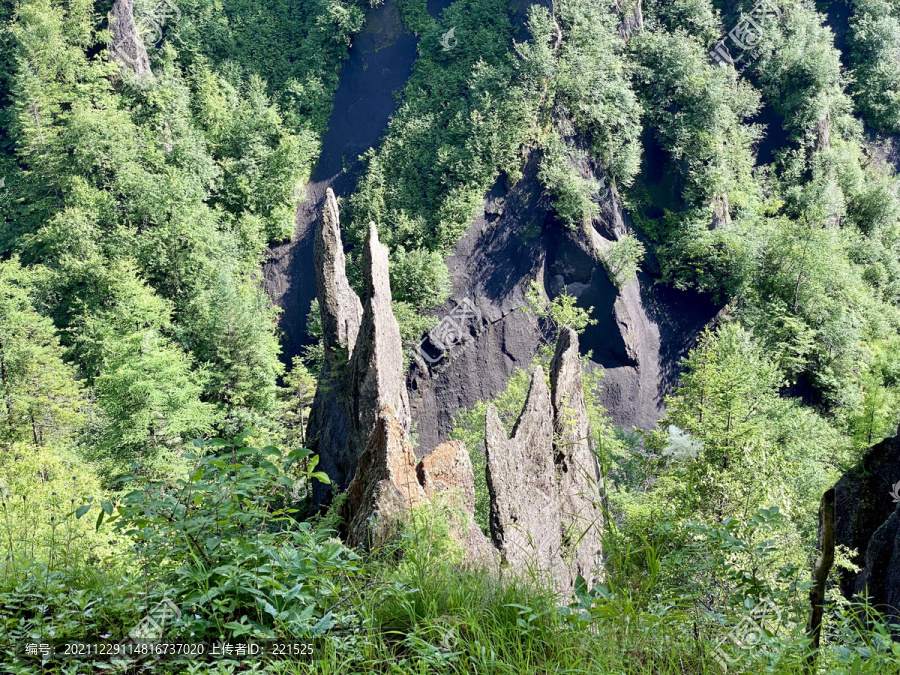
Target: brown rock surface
[(447, 471), (448, 468), (385, 486)]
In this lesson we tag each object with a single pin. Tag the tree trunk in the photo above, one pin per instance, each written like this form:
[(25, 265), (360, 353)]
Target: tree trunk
[(820, 576)]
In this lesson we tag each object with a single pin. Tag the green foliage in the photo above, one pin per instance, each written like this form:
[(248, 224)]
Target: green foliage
[(297, 48), (296, 399), (559, 313), (574, 195), (420, 277), (42, 401), (461, 123), (800, 74), (622, 258), (225, 540), (875, 55), (150, 204), (747, 447), (697, 112), (263, 165), (591, 88), (41, 490)]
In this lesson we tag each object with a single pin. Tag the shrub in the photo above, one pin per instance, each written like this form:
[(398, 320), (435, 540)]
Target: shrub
[(622, 258)]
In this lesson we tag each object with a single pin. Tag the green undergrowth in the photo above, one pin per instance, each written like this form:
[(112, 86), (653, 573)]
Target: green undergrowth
[(226, 550)]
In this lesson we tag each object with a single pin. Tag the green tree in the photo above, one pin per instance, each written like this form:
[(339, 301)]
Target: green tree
[(874, 42), (41, 399)]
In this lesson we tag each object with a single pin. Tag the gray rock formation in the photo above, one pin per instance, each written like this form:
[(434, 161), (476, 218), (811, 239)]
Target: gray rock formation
[(340, 307), (351, 392), (127, 47), (376, 367), (867, 519), (544, 481), (721, 211), (578, 480), (388, 484), (525, 516), (330, 428), (632, 17), (492, 265)]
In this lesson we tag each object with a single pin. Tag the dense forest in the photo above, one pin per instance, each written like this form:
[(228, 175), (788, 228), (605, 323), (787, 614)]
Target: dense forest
[(159, 442)]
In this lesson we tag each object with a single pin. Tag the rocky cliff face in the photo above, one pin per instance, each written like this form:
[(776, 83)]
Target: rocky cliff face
[(127, 47), (544, 481), (867, 519), (643, 329)]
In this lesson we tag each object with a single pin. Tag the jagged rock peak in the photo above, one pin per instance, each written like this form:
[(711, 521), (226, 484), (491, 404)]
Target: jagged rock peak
[(544, 481), (532, 424), (376, 265), (352, 392), (127, 47), (385, 486), (340, 307), (525, 514), (579, 482), (377, 367)]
